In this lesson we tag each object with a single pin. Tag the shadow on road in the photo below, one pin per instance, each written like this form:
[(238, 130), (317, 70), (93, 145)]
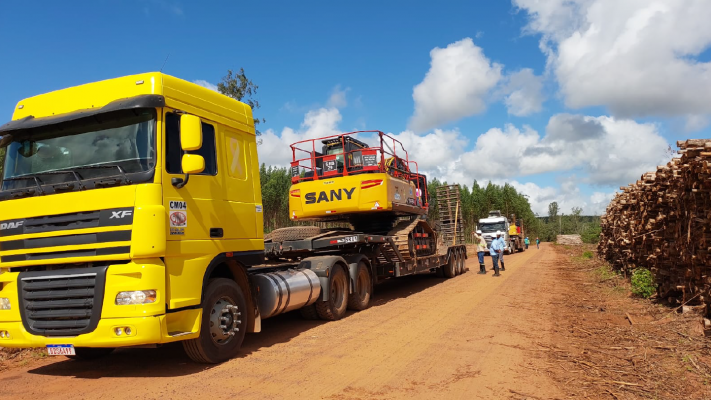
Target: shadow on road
[(170, 360)]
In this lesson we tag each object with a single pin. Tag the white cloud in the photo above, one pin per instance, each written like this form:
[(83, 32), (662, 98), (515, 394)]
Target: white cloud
[(567, 197), (338, 97), (609, 151), (206, 84), (459, 79), (275, 149), (524, 93), (636, 57)]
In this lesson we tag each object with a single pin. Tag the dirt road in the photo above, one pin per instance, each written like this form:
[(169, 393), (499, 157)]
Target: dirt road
[(470, 337)]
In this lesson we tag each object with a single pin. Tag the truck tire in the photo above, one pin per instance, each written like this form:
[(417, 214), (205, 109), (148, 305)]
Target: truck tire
[(450, 270), (90, 353), (463, 261), (457, 263), (294, 233), (223, 325), (360, 298), (309, 312), (334, 308)]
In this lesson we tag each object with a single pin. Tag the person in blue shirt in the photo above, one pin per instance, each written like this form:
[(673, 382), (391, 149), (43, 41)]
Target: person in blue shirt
[(502, 239), (526, 242), (496, 249)]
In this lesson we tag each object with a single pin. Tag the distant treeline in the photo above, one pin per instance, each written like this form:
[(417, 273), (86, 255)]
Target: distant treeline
[(558, 223)]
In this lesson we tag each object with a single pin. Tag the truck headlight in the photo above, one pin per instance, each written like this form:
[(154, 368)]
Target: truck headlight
[(4, 303), (136, 297)]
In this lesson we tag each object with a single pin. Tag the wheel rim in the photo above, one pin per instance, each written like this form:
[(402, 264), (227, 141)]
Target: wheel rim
[(362, 284), (224, 321)]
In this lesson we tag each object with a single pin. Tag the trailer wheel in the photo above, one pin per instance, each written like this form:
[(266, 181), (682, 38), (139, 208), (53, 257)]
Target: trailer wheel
[(335, 307), (463, 261), (309, 312), (457, 263), (294, 233), (90, 353), (360, 298), (450, 270), (223, 324)]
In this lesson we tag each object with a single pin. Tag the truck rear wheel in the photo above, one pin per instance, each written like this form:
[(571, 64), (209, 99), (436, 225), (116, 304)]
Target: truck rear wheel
[(90, 353), (335, 307), (450, 270), (223, 325), (360, 298)]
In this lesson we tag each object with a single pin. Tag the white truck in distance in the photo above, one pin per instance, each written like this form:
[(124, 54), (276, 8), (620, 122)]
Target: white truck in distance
[(495, 222)]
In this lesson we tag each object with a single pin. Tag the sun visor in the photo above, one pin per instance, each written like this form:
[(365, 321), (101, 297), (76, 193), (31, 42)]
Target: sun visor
[(30, 122)]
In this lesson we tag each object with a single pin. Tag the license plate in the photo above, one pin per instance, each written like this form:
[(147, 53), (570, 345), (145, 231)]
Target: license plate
[(60, 350)]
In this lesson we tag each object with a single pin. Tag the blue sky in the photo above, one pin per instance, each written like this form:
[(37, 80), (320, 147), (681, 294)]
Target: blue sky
[(582, 74)]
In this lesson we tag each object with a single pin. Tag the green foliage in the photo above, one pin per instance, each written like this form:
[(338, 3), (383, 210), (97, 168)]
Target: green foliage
[(275, 184), (553, 209), (605, 273), (588, 254), (643, 284), (591, 234), (240, 88)]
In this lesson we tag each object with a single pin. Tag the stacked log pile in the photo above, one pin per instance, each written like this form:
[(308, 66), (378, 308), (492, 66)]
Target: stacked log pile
[(663, 222), (569, 239)]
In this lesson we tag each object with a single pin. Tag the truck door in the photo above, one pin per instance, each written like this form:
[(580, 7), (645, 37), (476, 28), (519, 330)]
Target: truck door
[(195, 210), (240, 201)]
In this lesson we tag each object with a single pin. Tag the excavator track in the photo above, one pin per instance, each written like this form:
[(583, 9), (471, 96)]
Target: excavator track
[(413, 238)]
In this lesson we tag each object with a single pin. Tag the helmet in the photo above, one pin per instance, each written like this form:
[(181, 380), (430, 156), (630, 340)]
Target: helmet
[(478, 232), (498, 233)]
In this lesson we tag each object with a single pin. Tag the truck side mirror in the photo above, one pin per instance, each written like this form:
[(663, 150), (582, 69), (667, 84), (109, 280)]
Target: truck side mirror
[(193, 164), (190, 140), (190, 132)]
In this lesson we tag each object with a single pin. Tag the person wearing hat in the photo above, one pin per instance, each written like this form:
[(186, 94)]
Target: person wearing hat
[(497, 248), (480, 250)]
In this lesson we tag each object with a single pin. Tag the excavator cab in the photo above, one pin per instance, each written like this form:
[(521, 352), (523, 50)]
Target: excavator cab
[(339, 153)]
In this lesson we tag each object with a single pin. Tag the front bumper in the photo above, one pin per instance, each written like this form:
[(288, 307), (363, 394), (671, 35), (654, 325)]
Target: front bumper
[(145, 330)]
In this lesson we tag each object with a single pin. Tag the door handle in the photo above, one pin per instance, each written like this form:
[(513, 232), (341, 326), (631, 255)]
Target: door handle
[(216, 232)]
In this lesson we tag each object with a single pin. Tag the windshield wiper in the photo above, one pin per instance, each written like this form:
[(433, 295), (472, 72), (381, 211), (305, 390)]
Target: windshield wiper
[(108, 181), (16, 194)]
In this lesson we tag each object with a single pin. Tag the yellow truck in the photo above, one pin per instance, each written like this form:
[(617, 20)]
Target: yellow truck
[(131, 215)]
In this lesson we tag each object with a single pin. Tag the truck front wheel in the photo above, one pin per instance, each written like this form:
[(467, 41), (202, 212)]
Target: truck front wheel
[(223, 325), (335, 307)]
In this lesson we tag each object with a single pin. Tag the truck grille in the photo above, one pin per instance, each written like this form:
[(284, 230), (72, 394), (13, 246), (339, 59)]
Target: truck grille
[(63, 302)]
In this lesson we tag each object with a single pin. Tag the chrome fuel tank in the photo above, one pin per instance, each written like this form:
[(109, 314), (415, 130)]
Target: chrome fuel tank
[(282, 291)]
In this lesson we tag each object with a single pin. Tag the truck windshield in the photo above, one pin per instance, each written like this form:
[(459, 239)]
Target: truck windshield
[(120, 143), (492, 227)]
